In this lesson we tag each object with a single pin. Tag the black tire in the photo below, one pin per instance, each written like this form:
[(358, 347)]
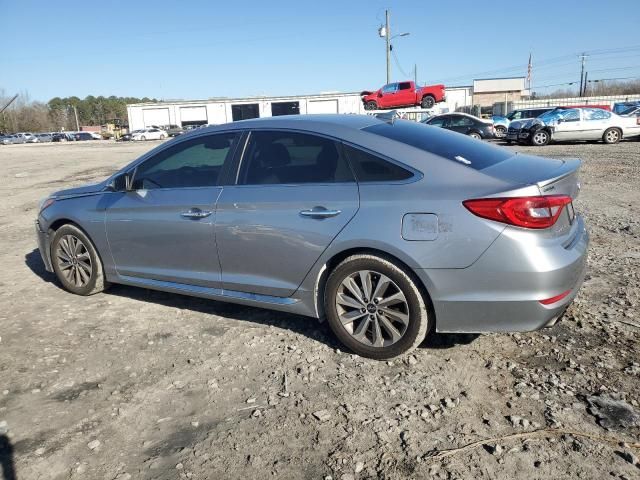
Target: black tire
[(371, 105), (428, 101), (540, 138), (611, 136), (85, 254), (413, 308), (475, 135)]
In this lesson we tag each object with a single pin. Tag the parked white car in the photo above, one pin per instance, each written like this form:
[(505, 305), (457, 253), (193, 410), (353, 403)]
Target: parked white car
[(576, 124), (149, 134)]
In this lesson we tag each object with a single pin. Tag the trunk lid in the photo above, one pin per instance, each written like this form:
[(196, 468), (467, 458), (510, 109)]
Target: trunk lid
[(552, 176)]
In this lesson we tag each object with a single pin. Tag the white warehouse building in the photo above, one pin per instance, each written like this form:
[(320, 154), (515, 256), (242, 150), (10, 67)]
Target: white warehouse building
[(216, 111)]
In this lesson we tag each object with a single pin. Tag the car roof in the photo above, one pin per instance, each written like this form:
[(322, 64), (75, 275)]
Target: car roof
[(305, 122)]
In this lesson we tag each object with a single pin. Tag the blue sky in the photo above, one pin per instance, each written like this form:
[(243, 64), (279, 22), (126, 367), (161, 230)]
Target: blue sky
[(200, 49)]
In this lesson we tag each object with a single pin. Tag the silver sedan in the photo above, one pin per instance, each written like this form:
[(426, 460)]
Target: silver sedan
[(388, 229)]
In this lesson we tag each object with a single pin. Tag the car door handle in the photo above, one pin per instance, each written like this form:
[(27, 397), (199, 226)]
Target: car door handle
[(320, 212), (195, 213)]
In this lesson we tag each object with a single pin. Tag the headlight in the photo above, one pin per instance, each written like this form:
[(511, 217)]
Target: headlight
[(46, 202)]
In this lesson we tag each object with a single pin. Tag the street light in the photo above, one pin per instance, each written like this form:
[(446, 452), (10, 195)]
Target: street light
[(385, 31)]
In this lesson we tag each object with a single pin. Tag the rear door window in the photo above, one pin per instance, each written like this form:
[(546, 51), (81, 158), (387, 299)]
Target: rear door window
[(282, 157), (444, 143)]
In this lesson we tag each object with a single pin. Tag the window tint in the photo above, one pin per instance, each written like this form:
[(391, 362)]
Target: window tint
[(290, 157), (437, 121), (404, 86), (370, 168), (194, 163), (517, 115), (460, 121), (392, 87), (572, 115), (444, 143), (596, 114)]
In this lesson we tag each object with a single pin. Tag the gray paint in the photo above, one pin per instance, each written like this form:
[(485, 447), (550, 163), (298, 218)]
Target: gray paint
[(255, 248)]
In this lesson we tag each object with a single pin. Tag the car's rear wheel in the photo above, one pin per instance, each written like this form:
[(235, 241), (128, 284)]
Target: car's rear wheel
[(162, 137), (372, 105), (143, 138), (428, 101), (76, 262), (611, 135), (375, 308), (540, 138), (475, 135)]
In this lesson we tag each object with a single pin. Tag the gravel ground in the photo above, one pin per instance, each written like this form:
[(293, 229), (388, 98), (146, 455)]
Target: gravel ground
[(140, 384)]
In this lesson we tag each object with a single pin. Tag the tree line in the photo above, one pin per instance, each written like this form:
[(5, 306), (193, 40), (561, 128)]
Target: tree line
[(598, 89), (25, 115)]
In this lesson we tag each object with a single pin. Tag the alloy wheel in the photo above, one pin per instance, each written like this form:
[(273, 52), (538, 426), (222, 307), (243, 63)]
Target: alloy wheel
[(372, 308), (74, 260), (540, 138), (612, 136)]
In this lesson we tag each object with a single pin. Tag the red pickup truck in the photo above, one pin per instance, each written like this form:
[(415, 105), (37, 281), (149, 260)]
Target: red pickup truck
[(403, 94)]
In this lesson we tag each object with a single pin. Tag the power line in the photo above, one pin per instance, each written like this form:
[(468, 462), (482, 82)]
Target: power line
[(395, 58)]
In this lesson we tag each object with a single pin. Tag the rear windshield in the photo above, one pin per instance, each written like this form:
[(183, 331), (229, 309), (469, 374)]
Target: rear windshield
[(476, 154)]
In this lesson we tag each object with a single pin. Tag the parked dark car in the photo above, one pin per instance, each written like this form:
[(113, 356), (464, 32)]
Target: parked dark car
[(83, 136), (62, 137), (172, 130), (463, 123)]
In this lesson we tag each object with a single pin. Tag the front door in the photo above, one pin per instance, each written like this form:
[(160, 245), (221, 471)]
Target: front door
[(388, 96), (569, 126), (163, 228), (295, 193)]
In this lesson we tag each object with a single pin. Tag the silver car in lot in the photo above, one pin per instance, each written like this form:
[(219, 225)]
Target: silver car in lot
[(574, 124), (389, 229)]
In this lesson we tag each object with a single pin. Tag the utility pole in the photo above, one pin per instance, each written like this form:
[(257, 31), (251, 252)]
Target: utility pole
[(584, 57), (584, 88), (75, 112), (415, 74), (388, 45)]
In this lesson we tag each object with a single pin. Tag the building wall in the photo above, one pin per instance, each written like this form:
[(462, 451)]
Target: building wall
[(487, 99), (219, 111)]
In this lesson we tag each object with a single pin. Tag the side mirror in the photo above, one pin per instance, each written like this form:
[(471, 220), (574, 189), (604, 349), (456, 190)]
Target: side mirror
[(560, 120), (121, 183)]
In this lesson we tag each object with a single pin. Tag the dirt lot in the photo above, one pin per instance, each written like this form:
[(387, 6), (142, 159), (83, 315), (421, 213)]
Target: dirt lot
[(139, 384)]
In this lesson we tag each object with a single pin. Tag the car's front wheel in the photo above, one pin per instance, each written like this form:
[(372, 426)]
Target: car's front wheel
[(501, 131), (372, 105), (375, 308), (76, 262), (540, 138)]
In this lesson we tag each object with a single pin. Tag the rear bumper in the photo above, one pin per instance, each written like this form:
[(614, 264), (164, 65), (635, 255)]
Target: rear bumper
[(43, 245), (501, 292)]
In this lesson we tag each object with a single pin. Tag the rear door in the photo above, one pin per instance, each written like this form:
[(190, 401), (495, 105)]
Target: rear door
[(460, 124), (405, 95), (295, 192), (162, 229)]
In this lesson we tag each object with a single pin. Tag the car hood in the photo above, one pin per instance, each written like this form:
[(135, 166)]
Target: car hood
[(521, 123), (83, 190)]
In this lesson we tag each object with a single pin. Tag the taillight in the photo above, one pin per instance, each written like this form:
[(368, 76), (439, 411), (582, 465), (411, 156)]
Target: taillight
[(527, 212)]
